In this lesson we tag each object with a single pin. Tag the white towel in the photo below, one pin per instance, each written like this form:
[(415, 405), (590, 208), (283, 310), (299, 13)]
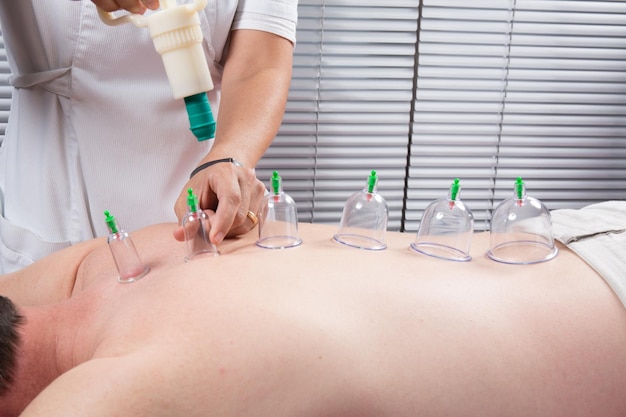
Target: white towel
[(597, 233), (608, 217)]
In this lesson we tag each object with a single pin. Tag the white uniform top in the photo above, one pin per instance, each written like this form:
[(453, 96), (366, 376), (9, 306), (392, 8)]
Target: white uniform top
[(94, 126)]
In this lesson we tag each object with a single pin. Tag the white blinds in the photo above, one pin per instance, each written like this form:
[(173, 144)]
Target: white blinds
[(499, 89), (349, 107), (520, 88), (5, 90)]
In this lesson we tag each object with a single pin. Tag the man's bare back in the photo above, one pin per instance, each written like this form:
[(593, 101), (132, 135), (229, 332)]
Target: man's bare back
[(323, 329)]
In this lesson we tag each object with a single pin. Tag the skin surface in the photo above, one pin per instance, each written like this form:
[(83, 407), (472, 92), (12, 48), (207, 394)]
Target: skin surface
[(316, 330)]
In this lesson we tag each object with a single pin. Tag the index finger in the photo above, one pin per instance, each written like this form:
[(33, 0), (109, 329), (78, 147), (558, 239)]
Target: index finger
[(229, 202)]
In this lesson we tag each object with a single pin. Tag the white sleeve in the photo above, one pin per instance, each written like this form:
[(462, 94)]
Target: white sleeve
[(274, 16)]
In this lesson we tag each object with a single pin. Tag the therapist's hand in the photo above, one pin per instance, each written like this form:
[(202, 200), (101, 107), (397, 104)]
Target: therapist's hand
[(255, 85), (133, 6), (229, 190)]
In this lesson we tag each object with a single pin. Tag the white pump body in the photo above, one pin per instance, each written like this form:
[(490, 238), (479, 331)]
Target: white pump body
[(177, 37)]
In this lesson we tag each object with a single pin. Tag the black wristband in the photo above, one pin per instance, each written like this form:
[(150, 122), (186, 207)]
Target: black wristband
[(211, 163)]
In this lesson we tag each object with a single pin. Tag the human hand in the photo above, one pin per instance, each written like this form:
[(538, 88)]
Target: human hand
[(230, 191), (133, 6)]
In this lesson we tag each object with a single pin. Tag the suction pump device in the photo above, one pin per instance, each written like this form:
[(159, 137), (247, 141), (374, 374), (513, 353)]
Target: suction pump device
[(177, 36)]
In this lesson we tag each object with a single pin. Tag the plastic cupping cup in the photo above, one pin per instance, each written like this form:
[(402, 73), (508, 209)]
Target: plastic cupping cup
[(446, 228), (364, 219), (521, 230), (278, 218), (129, 266), (197, 226)]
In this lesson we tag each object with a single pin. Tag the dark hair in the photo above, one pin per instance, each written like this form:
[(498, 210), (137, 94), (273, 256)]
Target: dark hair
[(10, 319)]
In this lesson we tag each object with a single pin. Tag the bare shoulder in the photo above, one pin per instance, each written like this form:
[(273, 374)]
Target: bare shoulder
[(128, 385), (50, 279), (161, 382), (95, 386), (155, 246)]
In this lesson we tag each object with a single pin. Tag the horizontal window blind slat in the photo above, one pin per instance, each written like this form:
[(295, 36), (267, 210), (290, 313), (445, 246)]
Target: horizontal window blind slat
[(6, 90)]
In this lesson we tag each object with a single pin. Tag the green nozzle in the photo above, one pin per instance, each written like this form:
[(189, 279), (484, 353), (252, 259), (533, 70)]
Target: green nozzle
[(111, 223), (519, 188), (192, 201), (276, 182), (454, 189), (371, 182), (201, 120)]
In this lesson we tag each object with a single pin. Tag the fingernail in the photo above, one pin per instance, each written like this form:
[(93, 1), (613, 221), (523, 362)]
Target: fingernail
[(151, 4), (219, 237)]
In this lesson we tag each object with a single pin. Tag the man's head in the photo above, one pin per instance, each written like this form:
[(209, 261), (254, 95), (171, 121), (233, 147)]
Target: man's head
[(10, 320)]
